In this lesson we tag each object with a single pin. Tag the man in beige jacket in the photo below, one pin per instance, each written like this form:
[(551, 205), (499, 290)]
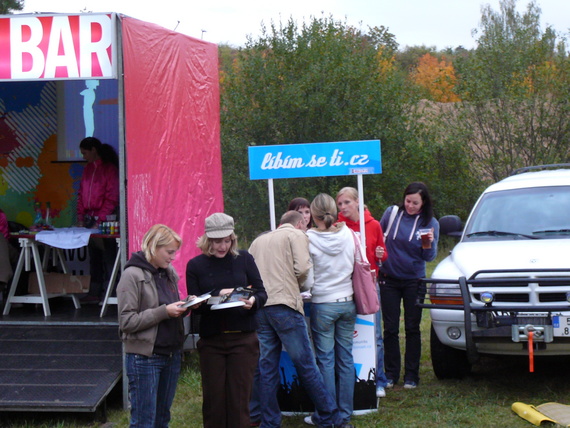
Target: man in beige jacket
[(282, 257)]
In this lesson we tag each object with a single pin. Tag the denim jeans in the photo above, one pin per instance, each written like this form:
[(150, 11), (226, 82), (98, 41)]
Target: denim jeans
[(152, 384), (281, 325), (394, 291), (332, 326), (254, 406), (380, 374)]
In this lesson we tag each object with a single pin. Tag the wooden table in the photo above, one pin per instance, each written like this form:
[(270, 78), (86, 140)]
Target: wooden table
[(30, 251)]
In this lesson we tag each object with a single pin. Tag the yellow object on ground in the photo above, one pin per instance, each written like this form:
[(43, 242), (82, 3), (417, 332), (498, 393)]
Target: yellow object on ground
[(548, 412)]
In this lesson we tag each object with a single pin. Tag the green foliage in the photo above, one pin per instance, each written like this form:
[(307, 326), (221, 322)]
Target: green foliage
[(9, 6), (445, 167), (381, 38), (326, 81)]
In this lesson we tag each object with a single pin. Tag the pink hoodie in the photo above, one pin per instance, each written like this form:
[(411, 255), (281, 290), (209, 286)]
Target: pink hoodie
[(98, 191)]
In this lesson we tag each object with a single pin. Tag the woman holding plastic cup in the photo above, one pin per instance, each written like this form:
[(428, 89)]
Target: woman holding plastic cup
[(408, 235)]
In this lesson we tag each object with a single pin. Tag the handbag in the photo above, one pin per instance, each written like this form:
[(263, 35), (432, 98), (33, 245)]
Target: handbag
[(363, 283)]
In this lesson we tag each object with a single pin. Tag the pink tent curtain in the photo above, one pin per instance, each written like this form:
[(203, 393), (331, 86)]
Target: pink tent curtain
[(173, 155)]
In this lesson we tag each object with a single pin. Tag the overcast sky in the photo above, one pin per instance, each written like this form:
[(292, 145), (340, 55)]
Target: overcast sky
[(440, 23)]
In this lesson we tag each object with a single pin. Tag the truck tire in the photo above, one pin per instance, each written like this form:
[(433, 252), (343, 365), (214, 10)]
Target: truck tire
[(447, 362)]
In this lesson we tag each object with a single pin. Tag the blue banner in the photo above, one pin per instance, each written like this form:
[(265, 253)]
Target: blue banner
[(315, 160)]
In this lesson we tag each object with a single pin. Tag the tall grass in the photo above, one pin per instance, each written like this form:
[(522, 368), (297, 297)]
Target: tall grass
[(483, 399)]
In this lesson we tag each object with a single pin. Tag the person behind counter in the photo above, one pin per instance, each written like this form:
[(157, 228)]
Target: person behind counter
[(150, 322), (399, 279), (98, 197), (98, 194), (228, 345)]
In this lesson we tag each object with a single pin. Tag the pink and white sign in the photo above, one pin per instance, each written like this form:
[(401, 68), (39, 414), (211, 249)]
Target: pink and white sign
[(52, 47)]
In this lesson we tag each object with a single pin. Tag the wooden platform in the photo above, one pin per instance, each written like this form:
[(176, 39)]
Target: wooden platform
[(67, 362)]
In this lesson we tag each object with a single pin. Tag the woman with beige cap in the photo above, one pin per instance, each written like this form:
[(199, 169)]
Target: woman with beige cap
[(228, 345)]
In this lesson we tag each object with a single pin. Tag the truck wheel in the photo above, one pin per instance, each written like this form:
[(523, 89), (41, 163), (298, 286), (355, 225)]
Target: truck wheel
[(448, 362)]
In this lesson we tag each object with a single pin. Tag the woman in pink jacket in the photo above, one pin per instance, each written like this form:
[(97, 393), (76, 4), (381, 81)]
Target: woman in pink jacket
[(98, 194), (98, 197)]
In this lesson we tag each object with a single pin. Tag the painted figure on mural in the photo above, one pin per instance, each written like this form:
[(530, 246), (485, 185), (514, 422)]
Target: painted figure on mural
[(88, 95)]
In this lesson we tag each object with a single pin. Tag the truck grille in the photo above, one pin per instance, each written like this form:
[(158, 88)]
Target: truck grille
[(528, 290), (516, 290), (504, 297)]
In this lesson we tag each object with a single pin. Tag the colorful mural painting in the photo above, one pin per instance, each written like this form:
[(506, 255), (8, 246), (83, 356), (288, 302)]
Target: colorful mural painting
[(39, 150)]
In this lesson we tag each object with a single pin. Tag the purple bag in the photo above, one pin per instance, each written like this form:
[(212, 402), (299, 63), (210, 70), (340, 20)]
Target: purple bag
[(364, 283)]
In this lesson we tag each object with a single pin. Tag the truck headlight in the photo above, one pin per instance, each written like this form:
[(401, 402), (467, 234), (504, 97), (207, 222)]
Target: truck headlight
[(445, 294)]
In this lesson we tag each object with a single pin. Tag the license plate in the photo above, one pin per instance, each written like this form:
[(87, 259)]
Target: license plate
[(561, 325)]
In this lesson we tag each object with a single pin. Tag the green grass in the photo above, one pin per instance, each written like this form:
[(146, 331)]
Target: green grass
[(483, 399)]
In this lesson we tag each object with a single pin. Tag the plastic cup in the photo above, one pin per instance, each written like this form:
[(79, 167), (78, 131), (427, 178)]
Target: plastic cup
[(424, 234)]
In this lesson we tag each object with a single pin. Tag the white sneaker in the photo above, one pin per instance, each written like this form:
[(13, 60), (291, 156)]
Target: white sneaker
[(309, 420), (380, 392)]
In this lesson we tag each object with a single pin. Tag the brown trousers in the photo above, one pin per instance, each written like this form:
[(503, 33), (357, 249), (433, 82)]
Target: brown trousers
[(227, 364)]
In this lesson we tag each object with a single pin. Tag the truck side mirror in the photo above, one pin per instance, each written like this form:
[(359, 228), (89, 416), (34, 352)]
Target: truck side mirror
[(450, 225)]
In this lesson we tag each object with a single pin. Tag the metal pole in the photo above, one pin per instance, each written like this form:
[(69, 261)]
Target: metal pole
[(361, 212), (271, 203)]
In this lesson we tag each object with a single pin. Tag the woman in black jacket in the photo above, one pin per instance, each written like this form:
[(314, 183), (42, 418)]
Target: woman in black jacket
[(228, 345)]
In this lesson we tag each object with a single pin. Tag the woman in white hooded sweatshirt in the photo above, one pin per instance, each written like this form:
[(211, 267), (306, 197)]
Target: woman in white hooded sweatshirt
[(333, 313)]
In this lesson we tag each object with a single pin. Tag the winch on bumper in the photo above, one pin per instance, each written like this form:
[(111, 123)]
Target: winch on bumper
[(494, 311)]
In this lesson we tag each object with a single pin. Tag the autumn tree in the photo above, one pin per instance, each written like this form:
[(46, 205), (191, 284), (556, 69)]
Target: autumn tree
[(408, 58), (515, 86), (436, 78)]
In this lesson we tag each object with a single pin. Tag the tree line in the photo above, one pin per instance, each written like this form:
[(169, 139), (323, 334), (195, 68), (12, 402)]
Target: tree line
[(456, 119)]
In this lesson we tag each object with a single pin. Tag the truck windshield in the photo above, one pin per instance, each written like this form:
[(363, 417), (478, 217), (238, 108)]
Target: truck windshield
[(541, 212)]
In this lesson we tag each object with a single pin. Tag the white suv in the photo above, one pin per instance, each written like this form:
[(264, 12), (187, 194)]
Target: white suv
[(508, 276)]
